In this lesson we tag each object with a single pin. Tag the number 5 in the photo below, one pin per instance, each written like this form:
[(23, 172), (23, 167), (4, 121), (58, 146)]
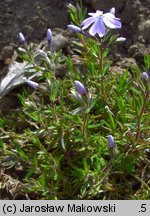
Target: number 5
[(143, 207)]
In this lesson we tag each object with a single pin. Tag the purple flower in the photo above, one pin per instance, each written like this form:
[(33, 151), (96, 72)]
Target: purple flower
[(74, 28), (21, 38), (49, 35), (145, 76), (99, 21), (32, 84), (111, 142), (80, 88)]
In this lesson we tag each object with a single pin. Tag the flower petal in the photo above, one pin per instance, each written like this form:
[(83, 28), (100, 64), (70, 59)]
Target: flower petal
[(87, 22), (97, 14), (112, 10), (91, 14), (111, 21), (98, 27)]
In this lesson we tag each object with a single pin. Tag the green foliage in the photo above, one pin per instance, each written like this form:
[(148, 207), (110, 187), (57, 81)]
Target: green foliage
[(78, 13), (59, 139)]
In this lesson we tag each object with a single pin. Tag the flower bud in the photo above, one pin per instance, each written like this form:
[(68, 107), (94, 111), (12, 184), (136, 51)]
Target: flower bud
[(32, 84), (49, 35), (145, 76), (74, 28), (111, 142), (21, 38), (80, 88)]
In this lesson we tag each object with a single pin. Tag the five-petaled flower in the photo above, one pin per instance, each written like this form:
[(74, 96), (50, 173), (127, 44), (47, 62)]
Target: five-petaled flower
[(98, 22)]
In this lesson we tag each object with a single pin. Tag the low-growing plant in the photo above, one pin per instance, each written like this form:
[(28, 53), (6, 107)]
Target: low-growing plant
[(85, 136)]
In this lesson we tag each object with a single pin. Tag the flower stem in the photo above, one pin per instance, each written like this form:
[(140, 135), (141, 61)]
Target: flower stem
[(84, 43), (54, 110), (101, 67), (30, 56), (140, 116), (108, 167), (102, 83), (84, 125)]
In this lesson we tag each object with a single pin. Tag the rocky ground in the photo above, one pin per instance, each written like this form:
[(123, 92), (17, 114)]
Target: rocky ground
[(34, 17)]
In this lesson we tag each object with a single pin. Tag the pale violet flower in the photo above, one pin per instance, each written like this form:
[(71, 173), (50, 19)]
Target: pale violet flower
[(99, 21), (80, 88), (74, 28), (111, 142), (21, 38)]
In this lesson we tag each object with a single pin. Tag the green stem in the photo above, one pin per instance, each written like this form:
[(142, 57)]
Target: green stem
[(102, 83), (140, 116), (84, 126), (54, 110), (101, 67), (30, 56), (106, 170), (108, 167)]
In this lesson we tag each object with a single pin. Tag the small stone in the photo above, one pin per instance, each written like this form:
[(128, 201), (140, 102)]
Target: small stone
[(59, 42), (7, 52), (127, 62), (28, 30), (118, 57), (133, 49), (145, 29), (141, 40)]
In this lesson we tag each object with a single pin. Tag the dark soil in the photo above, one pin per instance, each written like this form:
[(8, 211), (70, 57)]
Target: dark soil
[(34, 17)]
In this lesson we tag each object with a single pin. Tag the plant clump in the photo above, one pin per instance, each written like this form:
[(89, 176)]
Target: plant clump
[(85, 136)]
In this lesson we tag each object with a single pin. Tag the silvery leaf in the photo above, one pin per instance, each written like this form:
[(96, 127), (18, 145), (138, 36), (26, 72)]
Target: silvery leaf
[(79, 110), (18, 74)]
